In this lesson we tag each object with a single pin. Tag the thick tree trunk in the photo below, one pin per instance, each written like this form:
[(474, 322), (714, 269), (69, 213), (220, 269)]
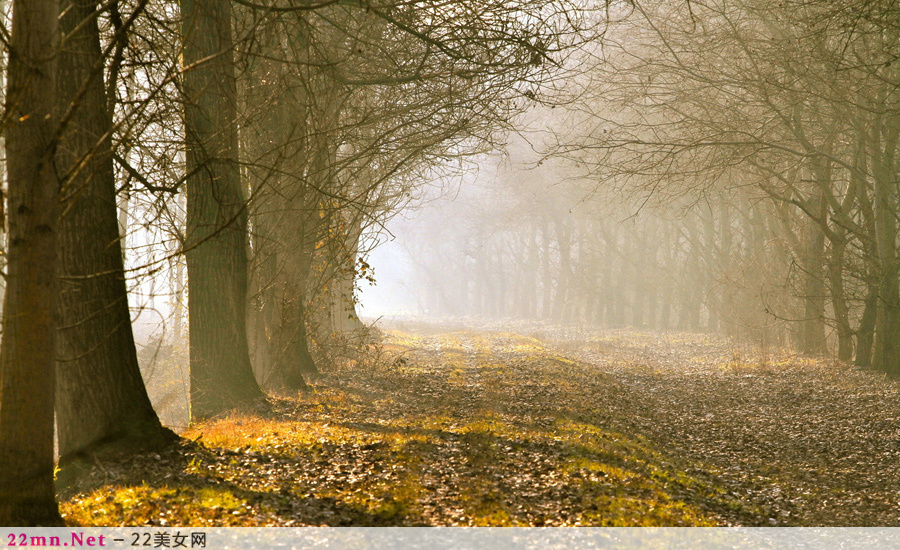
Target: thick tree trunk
[(343, 304), (291, 350), (221, 376), (28, 350), (261, 317), (283, 308), (101, 400), (865, 333), (344, 318)]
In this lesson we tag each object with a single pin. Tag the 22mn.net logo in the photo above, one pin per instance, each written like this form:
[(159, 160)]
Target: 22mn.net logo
[(78, 540)]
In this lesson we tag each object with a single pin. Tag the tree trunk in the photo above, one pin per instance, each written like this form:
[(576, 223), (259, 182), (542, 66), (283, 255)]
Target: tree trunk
[(345, 300), (261, 318), (813, 324), (865, 334), (563, 279), (836, 233), (343, 303), (546, 273), (637, 261), (221, 376), (28, 350), (101, 399), (290, 338), (291, 350), (839, 299), (284, 306), (887, 331)]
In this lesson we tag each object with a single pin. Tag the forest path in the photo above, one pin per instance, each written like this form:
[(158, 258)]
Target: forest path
[(442, 426)]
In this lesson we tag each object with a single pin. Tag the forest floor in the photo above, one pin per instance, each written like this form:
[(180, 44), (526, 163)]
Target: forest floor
[(438, 425)]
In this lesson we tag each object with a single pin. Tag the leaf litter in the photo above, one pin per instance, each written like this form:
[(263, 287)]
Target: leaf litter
[(544, 426)]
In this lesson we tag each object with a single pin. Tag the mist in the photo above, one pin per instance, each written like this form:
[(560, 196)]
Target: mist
[(500, 263)]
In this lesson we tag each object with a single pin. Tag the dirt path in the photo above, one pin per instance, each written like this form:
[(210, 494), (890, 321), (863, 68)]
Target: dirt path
[(536, 427)]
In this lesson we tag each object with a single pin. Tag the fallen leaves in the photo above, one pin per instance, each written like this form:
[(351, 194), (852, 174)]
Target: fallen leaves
[(495, 428)]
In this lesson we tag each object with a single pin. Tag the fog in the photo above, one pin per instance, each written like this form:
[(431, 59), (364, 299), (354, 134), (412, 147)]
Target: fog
[(608, 229), (660, 180)]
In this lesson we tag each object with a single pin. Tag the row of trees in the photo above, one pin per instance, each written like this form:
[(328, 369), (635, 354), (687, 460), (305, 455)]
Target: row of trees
[(727, 166), (259, 141), (693, 265), (792, 110)]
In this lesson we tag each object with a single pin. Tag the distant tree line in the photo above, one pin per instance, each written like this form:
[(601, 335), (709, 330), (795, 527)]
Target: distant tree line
[(722, 166)]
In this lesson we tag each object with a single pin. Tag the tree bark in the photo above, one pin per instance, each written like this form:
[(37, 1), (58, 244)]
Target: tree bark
[(290, 342), (839, 299), (865, 333), (28, 351), (101, 399), (836, 233), (887, 331), (216, 239)]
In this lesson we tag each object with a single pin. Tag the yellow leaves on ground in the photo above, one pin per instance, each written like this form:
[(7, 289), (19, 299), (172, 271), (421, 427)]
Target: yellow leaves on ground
[(475, 428)]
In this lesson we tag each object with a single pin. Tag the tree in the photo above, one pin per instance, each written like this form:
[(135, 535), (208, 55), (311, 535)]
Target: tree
[(348, 110), (788, 103), (216, 234), (101, 401), (28, 351)]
